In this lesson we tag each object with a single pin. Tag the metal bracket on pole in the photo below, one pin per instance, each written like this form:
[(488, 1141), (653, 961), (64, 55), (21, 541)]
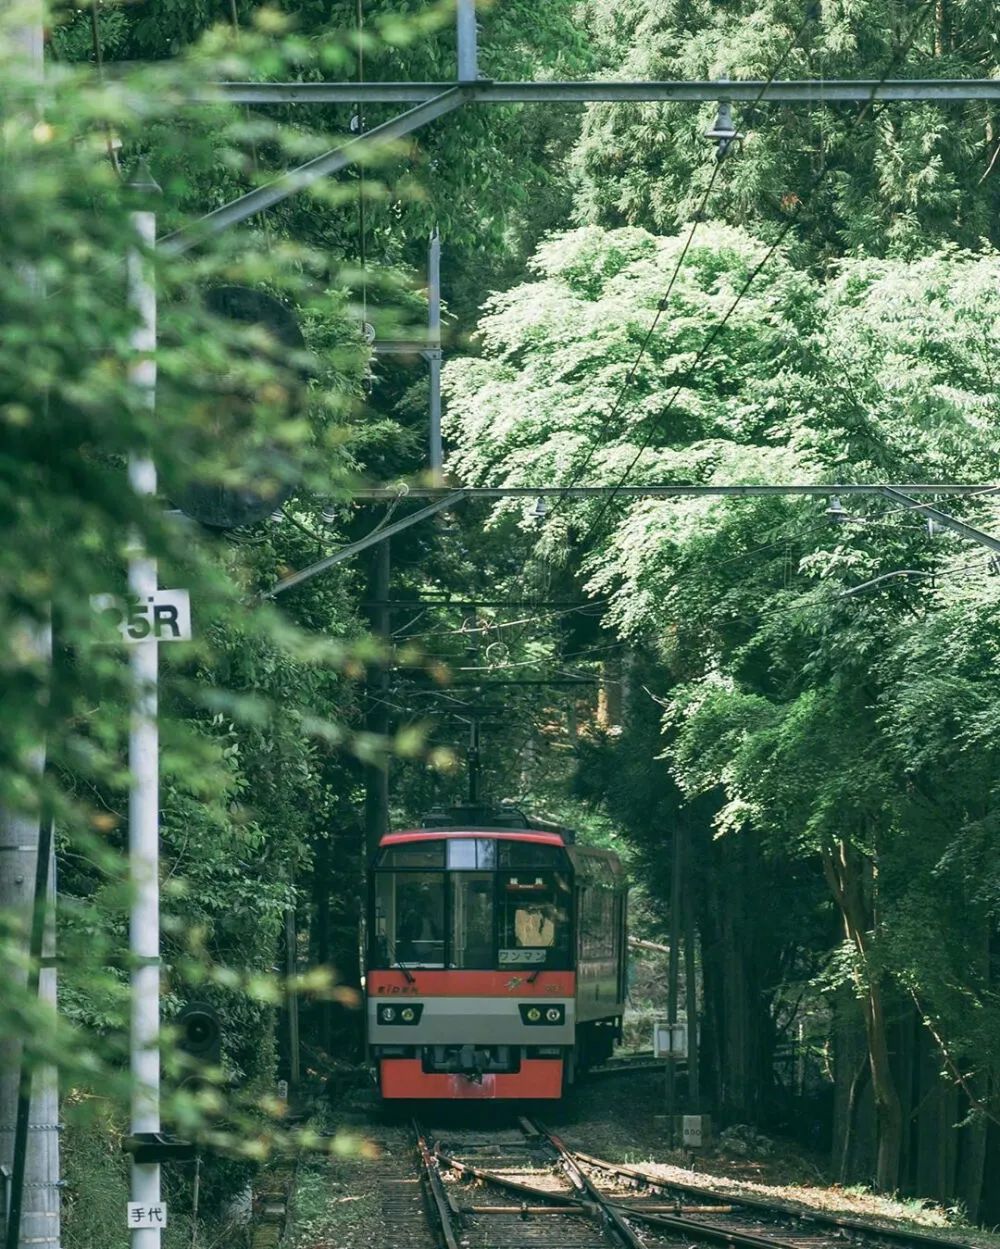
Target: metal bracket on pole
[(433, 353), (294, 180), (380, 535), (468, 51), (942, 518)]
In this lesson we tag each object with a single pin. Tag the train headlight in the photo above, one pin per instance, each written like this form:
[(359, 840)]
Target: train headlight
[(400, 1015), (542, 1013)]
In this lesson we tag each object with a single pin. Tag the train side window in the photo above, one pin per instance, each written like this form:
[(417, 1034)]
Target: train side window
[(597, 932), (530, 854)]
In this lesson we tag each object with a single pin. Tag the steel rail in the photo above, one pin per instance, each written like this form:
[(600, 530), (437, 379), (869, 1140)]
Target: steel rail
[(821, 1217), (608, 1209), (596, 1204), (514, 1186), (443, 1206), (788, 91)]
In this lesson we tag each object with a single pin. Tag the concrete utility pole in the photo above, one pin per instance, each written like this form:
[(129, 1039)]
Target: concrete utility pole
[(143, 756), (434, 350), (377, 718), (468, 52), (37, 1166)]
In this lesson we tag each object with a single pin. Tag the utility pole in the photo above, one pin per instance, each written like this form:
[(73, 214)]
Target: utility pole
[(474, 763), (691, 989), (377, 718), (29, 1156), (434, 351), (673, 977), (143, 758), (468, 52)]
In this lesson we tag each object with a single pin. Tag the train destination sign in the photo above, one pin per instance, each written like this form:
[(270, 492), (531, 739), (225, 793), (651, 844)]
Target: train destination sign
[(161, 617)]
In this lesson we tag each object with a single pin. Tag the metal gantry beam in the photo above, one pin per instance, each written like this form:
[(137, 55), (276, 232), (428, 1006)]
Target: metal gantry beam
[(303, 176), (667, 490), (447, 499), (795, 91)]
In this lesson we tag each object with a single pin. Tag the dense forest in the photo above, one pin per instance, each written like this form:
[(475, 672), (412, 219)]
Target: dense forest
[(791, 699)]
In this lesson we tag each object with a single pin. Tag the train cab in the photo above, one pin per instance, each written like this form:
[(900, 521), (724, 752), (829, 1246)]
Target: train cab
[(495, 958)]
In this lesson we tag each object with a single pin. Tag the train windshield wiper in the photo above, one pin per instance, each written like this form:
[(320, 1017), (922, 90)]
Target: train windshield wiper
[(395, 963)]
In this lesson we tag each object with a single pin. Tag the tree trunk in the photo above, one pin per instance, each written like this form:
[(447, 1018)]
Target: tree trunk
[(842, 866), (609, 696)]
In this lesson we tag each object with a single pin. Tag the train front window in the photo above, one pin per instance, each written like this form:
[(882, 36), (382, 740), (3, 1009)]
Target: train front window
[(471, 919), (409, 918), (470, 902), (534, 919)]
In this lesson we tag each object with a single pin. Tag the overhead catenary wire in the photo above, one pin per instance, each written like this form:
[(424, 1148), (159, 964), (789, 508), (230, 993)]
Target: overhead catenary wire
[(697, 218), (542, 661), (772, 250), (492, 625)]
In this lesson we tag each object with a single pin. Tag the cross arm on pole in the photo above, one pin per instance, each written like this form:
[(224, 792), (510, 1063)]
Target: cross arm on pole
[(295, 180), (379, 535)]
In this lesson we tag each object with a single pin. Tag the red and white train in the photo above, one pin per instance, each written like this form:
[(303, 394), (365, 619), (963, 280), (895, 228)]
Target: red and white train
[(495, 960)]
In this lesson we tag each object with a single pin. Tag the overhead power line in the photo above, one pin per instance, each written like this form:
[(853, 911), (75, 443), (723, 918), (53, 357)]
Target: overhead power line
[(664, 301), (899, 54)]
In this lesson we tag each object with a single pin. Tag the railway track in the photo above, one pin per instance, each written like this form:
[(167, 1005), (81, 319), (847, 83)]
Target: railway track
[(625, 1066), (522, 1188)]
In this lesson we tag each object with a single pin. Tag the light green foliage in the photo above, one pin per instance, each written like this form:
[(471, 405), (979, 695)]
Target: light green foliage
[(902, 182), (253, 710), (792, 713)]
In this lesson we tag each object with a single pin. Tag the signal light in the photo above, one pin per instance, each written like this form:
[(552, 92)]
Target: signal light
[(408, 1014), (200, 1034), (553, 1014), (534, 1014), (199, 1043)]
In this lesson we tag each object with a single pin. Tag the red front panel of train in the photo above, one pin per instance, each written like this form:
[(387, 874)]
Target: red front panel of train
[(404, 1078), (484, 1010)]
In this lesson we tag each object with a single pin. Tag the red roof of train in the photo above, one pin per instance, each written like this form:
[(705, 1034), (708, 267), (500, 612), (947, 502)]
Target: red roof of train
[(434, 834)]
